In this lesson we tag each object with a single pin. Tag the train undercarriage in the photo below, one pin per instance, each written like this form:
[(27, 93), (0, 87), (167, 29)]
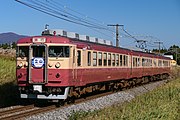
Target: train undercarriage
[(69, 94)]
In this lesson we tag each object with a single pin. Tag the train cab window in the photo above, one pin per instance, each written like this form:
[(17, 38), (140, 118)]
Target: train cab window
[(78, 58), (94, 58), (89, 58), (121, 60), (109, 59), (38, 51), (117, 60), (105, 59), (58, 51), (100, 58), (113, 59), (22, 51)]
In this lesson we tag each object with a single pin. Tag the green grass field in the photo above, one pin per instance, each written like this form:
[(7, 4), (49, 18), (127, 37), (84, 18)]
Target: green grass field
[(162, 103), (7, 70), (8, 87)]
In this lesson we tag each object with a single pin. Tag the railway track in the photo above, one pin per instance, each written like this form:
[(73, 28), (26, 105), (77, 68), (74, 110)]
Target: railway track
[(21, 112), (29, 110)]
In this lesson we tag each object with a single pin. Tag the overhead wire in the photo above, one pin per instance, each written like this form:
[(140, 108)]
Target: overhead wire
[(54, 8), (51, 10), (83, 15)]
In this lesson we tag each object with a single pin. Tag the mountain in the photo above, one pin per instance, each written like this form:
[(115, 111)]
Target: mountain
[(10, 37)]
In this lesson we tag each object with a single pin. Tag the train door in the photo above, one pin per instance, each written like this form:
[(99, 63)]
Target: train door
[(131, 64), (38, 64), (74, 65), (79, 64)]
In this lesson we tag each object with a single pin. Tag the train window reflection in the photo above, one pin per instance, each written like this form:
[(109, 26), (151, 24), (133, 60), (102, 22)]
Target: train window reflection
[(58, 51), (22, 51)]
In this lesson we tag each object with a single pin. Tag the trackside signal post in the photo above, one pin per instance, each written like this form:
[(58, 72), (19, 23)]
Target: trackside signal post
[(117, 33)]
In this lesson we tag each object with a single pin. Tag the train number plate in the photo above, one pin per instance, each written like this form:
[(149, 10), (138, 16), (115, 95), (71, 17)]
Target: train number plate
[(37, 88)]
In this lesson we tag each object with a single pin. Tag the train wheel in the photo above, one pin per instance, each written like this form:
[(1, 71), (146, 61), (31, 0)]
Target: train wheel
[(71, 100), (60, 103)]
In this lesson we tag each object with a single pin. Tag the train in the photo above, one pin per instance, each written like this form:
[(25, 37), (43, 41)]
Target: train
[(60, 65)]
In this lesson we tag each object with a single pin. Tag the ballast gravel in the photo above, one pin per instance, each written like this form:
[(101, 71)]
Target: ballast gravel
[(96, 104)]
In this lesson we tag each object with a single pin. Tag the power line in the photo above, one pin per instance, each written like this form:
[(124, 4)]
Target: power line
[(52, 10), (55, 11)]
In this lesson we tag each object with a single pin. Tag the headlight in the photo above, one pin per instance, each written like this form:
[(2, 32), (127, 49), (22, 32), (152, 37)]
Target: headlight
[(57, 65), (26, 64), (50, 65), (20, 65)]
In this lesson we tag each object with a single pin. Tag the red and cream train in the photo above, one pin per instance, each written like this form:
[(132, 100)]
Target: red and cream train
[(60, 65)]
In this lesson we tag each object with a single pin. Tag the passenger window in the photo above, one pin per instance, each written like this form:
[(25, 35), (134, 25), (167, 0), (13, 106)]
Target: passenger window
[(143, 62), (134, 61), (124, 60), (121, 60), (113, 59), (105, 59), (109, 59), (100, 58), (117, 60), (138, 62), (154, 61), (79, 58), (89, 58), (94, 58)]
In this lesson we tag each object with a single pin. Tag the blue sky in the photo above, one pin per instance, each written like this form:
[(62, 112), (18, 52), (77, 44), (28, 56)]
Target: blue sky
[(157, 18)]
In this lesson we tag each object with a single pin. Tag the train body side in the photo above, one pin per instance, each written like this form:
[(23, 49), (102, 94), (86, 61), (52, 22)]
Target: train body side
[(84, 65)]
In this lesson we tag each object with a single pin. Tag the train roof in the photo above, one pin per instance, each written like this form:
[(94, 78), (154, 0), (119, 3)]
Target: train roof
[(87, 45)]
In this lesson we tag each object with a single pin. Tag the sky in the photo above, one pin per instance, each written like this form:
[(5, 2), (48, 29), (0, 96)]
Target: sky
[(159, 19)]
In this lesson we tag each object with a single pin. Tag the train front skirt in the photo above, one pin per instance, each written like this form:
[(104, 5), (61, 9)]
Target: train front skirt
[(53, 97)]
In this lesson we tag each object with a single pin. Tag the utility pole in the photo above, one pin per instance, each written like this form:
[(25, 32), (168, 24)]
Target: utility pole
[(117, 33), (159, 43)]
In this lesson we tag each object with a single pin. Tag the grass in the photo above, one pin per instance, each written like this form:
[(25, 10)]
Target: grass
[(7, 70), (8, 87), (162, 103)]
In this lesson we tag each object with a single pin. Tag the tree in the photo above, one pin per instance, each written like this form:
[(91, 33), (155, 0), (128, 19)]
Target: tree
[(5, 46), (14, 45), (175, 51)]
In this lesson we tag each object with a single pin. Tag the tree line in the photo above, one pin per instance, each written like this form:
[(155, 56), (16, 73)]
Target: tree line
[(8, 45), (173, 50)]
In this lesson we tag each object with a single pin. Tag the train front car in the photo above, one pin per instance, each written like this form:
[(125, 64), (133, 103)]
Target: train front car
[(43, 67)]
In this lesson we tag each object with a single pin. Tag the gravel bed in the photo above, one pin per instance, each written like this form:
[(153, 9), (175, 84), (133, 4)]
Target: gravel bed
[(99, 103)]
